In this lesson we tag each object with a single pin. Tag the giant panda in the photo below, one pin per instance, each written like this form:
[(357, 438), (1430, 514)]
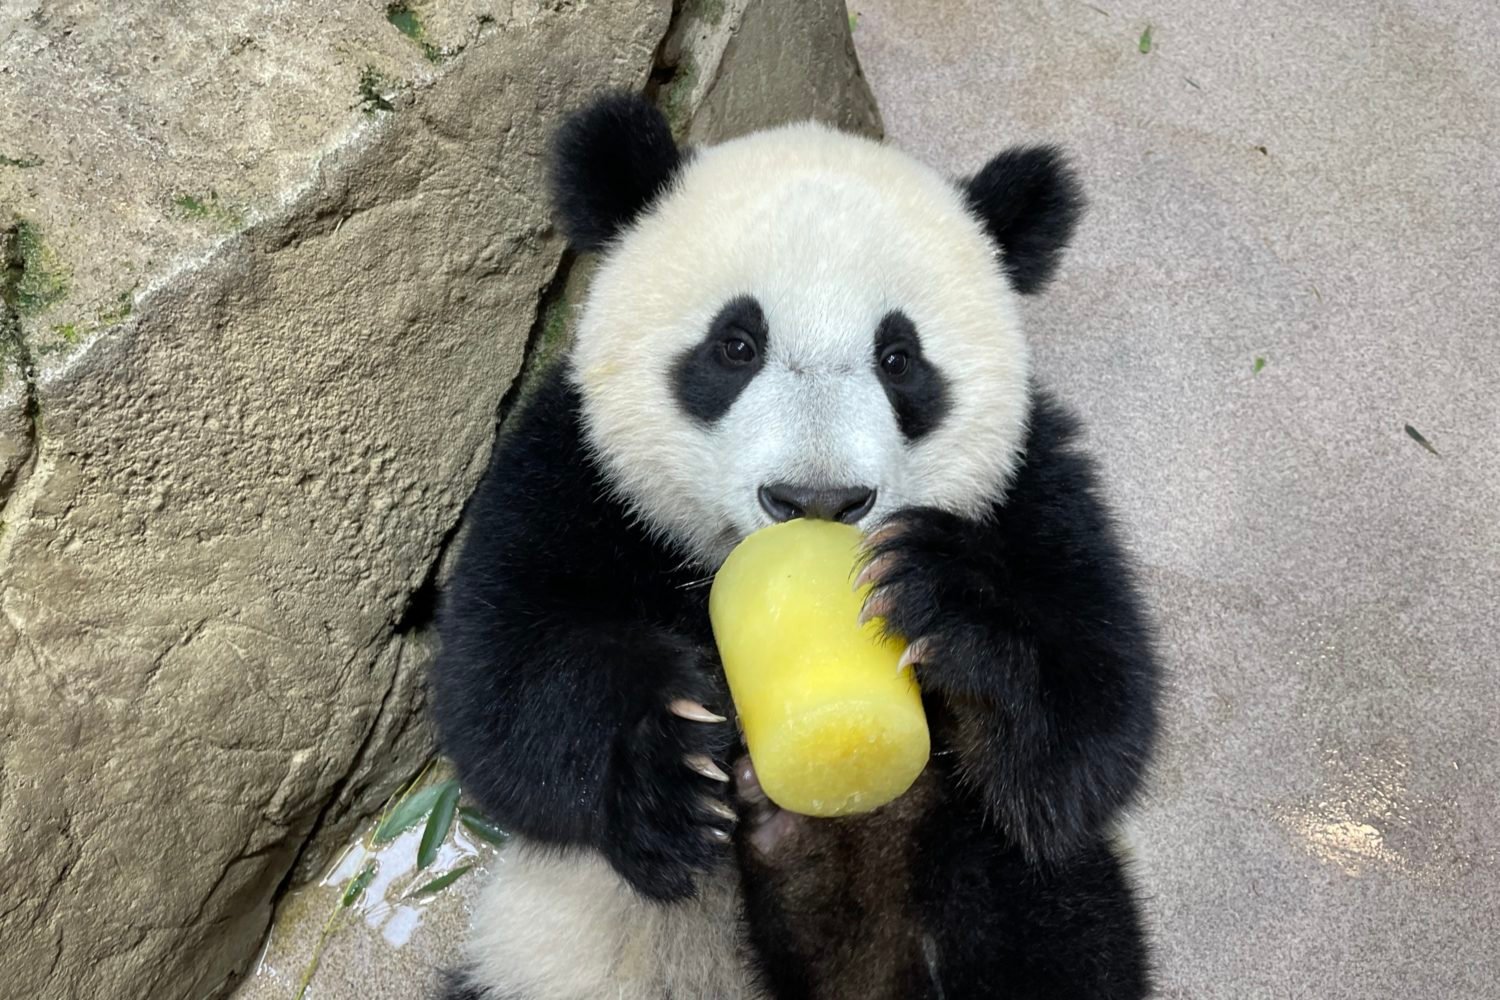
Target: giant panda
[(796, 323)]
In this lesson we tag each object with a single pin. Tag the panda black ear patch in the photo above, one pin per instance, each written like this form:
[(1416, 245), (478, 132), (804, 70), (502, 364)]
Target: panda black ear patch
[(1029, 200), (610, 159)]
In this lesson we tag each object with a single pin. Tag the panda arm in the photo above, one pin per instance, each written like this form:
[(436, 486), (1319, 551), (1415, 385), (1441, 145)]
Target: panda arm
[(1027, 631), (560, 657)]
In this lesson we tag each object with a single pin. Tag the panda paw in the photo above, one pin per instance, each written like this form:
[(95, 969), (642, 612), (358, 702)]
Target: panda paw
[(927, 587), (767, 826), (668, 811)]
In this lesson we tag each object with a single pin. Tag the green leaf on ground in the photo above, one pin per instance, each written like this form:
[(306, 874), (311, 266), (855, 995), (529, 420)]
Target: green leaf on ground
[(440, 883), (1259, 364), (438, 824), (1416, 436), (1145, 45), (482, 828), (853, 20), (409, 812), (357, 885)]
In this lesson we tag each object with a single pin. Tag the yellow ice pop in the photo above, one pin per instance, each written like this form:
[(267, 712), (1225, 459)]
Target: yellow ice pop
[(831, 726)]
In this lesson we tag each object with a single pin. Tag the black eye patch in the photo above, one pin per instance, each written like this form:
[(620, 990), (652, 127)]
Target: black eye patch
[(709, 376), (917, 390)]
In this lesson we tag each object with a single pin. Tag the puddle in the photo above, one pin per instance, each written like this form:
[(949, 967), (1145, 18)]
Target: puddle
[(1367, 820), (378, 923)]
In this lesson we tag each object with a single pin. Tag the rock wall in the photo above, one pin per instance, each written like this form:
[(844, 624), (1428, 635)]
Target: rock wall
[(269, 277)]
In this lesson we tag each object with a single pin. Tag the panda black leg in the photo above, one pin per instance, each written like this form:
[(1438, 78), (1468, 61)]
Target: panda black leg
[(828, 901), (667, 803), (997, 923), (925, 900), (1024, 630)]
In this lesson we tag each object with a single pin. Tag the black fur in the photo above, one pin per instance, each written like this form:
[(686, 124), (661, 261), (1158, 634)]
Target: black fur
[(920, 395), (610, 160), (933, 902), (565, 635), (704, 381), (566, 630), (1038, 646), (455, 986), (1030, 202)]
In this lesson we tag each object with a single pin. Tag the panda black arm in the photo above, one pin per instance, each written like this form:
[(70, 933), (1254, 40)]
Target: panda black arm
[(562, 647), (1030, 635)]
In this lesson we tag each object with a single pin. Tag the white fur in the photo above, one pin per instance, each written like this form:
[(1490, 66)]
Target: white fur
[(566, 926), (828, 232)]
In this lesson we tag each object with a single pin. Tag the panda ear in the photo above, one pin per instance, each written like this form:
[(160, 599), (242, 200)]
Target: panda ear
[(610, 159), (1029, 200)]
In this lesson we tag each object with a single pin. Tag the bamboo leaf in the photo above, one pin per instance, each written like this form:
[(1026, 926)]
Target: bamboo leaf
[(409, 812), (1259, 364), (357, 885), (481, 827), (440, 883), (1416, 436), (1145, 45), (439, 822)]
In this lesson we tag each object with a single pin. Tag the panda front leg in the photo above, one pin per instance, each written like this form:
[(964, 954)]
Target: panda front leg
[(605, 737), (601, 749), (1026, 628)]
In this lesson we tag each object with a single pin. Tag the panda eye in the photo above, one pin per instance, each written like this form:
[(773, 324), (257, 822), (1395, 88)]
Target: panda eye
[(895, 363), (737, 350)]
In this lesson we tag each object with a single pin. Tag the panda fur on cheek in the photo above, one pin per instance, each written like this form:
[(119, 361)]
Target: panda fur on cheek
[(797, 322)]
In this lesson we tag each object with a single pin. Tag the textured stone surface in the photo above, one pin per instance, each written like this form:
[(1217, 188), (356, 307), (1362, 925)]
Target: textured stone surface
[(1315, 185), (179, 123), (212, 643), (742, 65), (387, 948)]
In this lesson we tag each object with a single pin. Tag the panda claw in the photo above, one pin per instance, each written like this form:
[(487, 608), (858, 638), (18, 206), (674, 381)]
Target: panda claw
[(879, 605), (703, 764), (721, 809), (885, 533), (693, 712), (873, 571), (916, 653)]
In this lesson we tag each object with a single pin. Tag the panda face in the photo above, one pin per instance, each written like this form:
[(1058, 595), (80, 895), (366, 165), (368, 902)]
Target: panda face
[(801, 322)]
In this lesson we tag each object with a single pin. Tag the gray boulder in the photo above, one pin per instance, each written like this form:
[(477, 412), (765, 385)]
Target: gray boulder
[(268, 281)]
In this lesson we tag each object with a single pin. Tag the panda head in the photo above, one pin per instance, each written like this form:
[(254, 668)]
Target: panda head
[(799, 322)]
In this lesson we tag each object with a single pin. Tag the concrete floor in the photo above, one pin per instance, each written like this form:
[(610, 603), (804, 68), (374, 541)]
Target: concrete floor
[(1314, 185), (1317, 185)]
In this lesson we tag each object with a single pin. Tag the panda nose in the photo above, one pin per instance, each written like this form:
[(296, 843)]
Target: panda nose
[(784, 501)]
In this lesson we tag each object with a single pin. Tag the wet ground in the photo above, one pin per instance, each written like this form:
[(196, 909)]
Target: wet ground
[(392, 912), (1279, 320)]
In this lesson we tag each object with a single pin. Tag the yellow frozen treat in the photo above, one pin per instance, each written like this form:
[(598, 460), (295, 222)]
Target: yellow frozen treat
[(831, 726)]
